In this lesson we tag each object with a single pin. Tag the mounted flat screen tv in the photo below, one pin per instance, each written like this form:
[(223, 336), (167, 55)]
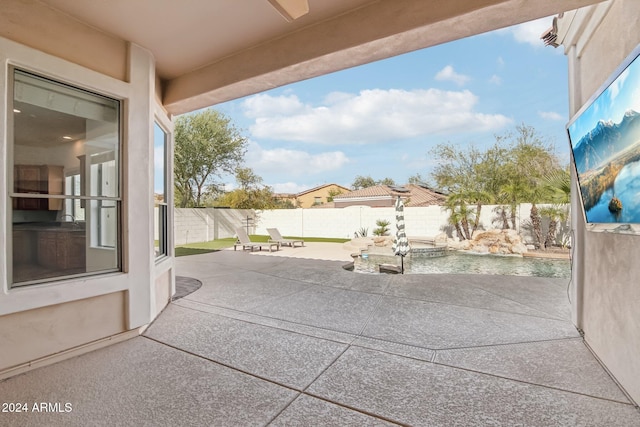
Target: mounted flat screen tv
[(605, 144)]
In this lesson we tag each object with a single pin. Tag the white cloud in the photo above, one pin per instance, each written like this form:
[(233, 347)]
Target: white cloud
[(292, 162), (371, 116), (529, 32), (289, 187), (449, 74), (496, 80), (551, 115), (260, 105), (418, 163), (614, 89)]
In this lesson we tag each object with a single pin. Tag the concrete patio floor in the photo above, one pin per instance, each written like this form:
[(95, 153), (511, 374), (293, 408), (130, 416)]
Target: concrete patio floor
[(286, 341)]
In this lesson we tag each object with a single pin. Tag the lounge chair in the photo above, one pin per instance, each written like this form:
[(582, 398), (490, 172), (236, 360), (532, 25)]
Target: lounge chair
[(245, 242), (276, 237)]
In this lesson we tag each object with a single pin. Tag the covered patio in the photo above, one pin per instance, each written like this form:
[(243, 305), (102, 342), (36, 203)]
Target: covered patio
[(279, 340)]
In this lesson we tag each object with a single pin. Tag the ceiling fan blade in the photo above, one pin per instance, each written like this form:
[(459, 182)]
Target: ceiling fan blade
[(291, 9)]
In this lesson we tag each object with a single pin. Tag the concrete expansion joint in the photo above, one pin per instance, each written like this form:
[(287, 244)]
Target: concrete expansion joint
[(298, 391), (360, 340), (221, 363), (256, 319), (630, 402), (508, 344), (352, 408)]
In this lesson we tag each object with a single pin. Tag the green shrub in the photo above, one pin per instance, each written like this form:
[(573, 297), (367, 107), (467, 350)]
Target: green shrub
[(383, 228), (362, 232)]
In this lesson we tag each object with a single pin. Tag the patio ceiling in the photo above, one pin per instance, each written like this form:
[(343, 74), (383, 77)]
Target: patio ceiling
[(209, 52)]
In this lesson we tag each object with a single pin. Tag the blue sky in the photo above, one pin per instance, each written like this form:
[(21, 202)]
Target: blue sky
[(382, 119)]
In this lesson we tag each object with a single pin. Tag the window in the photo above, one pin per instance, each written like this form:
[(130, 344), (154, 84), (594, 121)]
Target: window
[(66, 181), (160, 191), (73, 207)]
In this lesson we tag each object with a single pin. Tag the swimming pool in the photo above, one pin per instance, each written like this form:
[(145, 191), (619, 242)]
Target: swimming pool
[(465, 263)]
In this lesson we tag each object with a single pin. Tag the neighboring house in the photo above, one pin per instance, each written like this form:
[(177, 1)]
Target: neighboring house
[(285, 197), (318, 195), (385, 196)]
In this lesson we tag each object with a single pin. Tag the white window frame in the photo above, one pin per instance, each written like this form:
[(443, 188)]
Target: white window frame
[(164, 120), (162, 207), (15, 55)]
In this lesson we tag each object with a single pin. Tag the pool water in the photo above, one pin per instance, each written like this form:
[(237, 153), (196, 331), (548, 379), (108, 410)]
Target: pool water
[(464, 263)]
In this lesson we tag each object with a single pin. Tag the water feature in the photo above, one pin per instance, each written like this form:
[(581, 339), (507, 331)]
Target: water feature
[(464, 263)]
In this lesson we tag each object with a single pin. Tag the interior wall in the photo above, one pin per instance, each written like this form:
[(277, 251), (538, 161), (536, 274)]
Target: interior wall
[(609, 290), (30, 335)]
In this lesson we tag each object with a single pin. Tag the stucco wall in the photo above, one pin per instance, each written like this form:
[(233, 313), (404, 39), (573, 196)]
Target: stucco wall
[(41, 321), (200, 225), (163, 291), (30, 335), (608, 289)]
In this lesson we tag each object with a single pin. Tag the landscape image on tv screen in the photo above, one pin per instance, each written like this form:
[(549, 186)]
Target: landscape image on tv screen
[(605, 140)]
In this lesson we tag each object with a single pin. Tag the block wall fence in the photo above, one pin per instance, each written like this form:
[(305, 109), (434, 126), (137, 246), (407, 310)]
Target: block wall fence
[(205, 224)]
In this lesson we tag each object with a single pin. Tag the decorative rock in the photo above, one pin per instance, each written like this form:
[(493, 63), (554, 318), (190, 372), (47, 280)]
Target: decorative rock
[(389, 268), (358, 244), (465, 244), (494, 241), (348, 266), (481, 249), (441, 238), (383, 241), (519, 248), (512, 236)]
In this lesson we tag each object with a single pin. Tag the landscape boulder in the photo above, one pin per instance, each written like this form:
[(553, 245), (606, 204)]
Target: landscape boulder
[(492, 241)]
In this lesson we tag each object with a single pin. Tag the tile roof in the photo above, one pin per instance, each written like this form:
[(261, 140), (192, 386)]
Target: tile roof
[(378, 190), (424, 196), (319, 187), (417, 195)]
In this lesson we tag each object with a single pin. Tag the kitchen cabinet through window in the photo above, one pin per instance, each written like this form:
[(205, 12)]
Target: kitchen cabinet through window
[(65, 197)]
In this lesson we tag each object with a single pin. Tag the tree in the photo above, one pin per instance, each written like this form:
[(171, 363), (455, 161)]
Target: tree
[(333, 192), (386, 181), (207, 145), (557, 184), (512, 194), (459, 217), (250, 194), (366, 181), (417, 179), (531, 159), (468, 176), (362, 182), (507, 173)]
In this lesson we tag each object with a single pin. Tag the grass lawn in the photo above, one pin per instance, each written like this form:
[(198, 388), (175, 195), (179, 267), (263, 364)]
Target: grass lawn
[(216, 245)]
